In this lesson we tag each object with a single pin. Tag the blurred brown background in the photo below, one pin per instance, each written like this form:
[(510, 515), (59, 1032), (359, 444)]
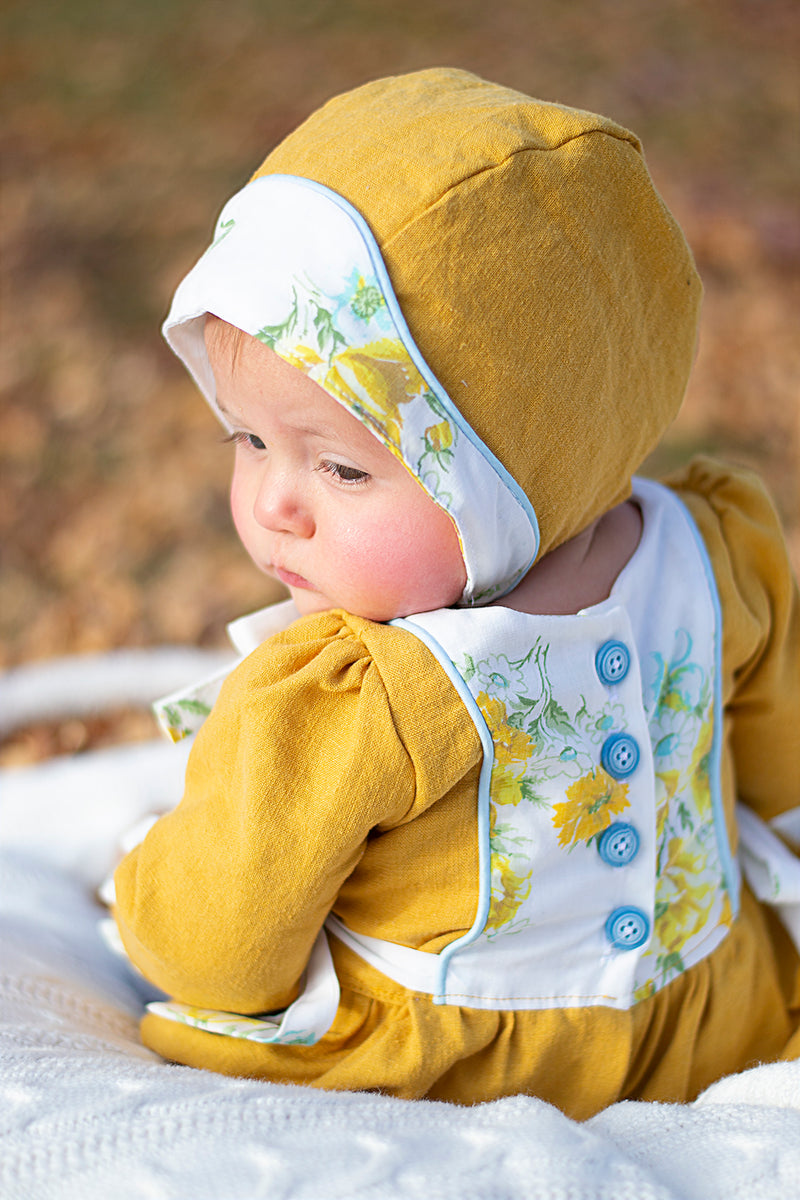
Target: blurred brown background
[(127, 125)]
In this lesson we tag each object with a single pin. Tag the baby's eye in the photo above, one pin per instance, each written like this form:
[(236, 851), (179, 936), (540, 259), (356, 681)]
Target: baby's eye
[(344, 474), (240, 438)]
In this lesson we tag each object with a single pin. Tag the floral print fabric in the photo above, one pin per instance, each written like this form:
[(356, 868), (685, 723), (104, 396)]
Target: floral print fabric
[(294, 265), (544, 751), (253, 1029), (548, 890), (348, 344)]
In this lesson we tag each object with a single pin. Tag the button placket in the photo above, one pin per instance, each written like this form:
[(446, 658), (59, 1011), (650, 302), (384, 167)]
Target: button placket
[(612, 662), (627, 928), (619, 844), (619, 755)]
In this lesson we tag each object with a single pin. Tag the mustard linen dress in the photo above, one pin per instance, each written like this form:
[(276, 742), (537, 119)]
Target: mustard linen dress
[(339, 773)]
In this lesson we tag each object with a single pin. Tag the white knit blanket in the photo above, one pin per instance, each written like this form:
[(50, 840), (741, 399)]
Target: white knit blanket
[(86, 1111)]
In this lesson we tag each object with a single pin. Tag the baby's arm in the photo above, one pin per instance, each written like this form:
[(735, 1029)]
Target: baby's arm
[(299, 760)]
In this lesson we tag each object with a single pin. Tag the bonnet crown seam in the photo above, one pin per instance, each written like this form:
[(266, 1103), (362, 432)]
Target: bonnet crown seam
[(495, 166)]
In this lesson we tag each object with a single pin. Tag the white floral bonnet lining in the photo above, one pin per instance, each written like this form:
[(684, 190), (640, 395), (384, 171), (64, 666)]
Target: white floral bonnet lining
[(296, 266)]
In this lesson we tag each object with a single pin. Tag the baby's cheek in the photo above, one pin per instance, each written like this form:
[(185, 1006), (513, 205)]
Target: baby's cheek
[(362, 552), (418, 567), (237, 502), (241, 502), (437, 556), (243, 529)]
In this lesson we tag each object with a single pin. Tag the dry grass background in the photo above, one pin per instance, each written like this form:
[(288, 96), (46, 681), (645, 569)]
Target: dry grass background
[(126, 126)]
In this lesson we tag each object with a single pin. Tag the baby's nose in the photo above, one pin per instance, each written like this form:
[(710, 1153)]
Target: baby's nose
[(281, 508)]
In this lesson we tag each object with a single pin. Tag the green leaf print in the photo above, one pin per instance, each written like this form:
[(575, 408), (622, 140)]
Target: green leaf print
[(504, 839), (685, 816), (682, 686), (198, 707), (327, 333), (529, 793), (271, 334), (558, 719), (436, 407), (517, 720), (222, 233), (468, 669), (670, 963), (179, 716), (174, 718)]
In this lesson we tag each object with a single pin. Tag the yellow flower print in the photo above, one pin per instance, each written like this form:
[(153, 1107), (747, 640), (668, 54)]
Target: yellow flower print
[(668, 780), (593, 800), (509, 890), (698, 767), (726, 912), (511, 745), (683, 917), (679, 916), (645, 991), (439, 437), (507, 784), (494, 710), (512, 748), (666, 787), (303, 357), (373, 381), (682, 862)]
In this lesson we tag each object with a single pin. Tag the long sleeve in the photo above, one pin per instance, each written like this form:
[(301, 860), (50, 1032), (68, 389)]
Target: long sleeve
[(302, 757), (761, 630)]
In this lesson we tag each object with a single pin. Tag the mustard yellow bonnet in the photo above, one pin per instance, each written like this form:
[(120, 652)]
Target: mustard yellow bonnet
[(490, 283), (538, 269)]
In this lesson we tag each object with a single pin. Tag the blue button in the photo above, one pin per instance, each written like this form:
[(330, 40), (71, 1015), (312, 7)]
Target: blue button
[(627, 928), (612, 662), (620, 755), (619, 844)]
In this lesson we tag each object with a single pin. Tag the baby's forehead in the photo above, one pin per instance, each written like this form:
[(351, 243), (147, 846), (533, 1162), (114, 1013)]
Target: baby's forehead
[(222, 340), (263, 392)]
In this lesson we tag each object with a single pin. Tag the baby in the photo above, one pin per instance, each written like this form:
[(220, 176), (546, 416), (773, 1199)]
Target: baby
[(467, 826)]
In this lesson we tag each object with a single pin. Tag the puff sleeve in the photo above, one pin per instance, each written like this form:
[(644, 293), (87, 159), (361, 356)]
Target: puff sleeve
[(304, 754), (761, 630)]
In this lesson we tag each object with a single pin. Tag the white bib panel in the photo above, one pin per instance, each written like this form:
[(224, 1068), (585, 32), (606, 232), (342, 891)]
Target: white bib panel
[(604, 862)]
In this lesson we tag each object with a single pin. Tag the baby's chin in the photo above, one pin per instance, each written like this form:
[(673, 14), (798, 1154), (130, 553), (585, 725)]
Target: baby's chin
[(307, 603)]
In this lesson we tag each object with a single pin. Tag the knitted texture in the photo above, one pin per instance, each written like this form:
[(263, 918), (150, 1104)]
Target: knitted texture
[(88, 1112)]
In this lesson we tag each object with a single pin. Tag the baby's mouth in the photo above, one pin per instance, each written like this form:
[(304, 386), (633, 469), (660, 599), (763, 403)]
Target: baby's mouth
[(290, 579)]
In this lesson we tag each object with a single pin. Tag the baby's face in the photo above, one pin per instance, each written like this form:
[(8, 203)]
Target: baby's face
[(321, 504)]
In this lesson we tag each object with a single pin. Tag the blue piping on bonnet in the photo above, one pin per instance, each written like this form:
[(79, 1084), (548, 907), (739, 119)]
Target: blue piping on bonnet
[(392, 303)]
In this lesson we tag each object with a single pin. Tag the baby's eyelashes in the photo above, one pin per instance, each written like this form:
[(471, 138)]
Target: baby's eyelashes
[(339, 472), (240, 438), (344, 474)]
